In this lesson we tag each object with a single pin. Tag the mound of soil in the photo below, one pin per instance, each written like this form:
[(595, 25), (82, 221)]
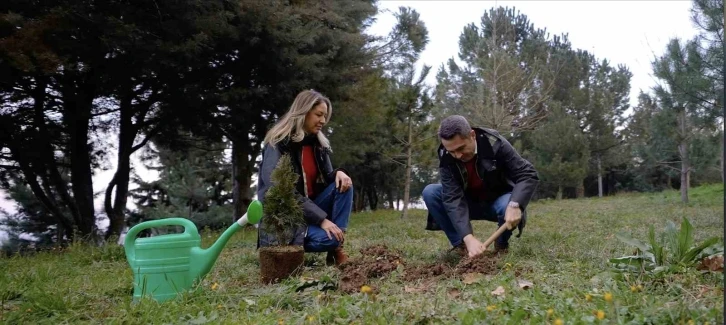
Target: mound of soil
[(421, 272), (377, 261), (485, 263)]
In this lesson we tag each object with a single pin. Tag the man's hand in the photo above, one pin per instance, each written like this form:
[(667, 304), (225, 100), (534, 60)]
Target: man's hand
[(473, 245), (512, 216), (342, 181), (332, 230)]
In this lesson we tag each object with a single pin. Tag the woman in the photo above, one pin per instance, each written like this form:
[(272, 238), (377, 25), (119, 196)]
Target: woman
[(326, 194)]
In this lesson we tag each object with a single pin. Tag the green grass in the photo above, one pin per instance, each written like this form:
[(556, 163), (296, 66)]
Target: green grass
[(564, 251)]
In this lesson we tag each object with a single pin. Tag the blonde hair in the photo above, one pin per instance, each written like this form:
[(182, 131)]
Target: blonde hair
[(291, 124)]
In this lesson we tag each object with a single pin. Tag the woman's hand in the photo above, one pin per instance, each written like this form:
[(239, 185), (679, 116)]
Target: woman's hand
[(332, 229), (342, 181)]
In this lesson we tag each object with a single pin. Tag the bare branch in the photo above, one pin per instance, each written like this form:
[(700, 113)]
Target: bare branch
[(105, 112)]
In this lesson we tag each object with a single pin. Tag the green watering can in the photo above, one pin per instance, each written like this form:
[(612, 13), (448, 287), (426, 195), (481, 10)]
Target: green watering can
[(167, 265)]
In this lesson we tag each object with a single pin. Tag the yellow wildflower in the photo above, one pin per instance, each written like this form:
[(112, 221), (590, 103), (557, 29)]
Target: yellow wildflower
[(633, 289), (215, 286), (491, 307), (366, 289), (280, 321), (640, 287), (311, 318), (558, 322), (608, 297), (690, 322), (588, 297), (600, 314), (550, 312)]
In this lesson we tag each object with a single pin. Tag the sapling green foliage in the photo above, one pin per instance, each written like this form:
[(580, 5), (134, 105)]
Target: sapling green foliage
[(283, 210)]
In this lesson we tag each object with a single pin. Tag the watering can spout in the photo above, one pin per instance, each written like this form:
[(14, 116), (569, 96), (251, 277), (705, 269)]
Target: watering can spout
[(205, 258)]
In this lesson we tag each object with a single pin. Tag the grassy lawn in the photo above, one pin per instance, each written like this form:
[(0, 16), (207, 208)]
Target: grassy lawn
[(564, 252)]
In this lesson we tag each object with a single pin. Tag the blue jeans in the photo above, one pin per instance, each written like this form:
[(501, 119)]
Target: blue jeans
[(338, 207), (490, 211)]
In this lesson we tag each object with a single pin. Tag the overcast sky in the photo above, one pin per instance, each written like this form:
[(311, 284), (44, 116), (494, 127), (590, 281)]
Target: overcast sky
[(624, 32)]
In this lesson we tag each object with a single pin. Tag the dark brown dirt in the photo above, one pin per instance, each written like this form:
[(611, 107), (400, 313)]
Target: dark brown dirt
[(421, 272), (376, 262), (277, 263), (352, 280), (485, 263)]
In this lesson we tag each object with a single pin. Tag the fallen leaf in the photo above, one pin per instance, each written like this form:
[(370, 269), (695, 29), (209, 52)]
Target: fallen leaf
[(524, 284), (712, 263), (498, 291), (453, 293), (470, 278), (306, 283)]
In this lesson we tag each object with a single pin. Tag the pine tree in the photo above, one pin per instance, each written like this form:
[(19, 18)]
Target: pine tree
[(31, 226), (409, 116), (560, 151), (507, 75), (283, 211), (194, 183), (685, 93)]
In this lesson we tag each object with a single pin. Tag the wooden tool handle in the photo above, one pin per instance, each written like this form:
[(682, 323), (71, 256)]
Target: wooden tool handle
[(495, 235)]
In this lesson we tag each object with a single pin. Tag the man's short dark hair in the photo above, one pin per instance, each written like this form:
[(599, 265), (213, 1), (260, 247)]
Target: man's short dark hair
[(454, 125)]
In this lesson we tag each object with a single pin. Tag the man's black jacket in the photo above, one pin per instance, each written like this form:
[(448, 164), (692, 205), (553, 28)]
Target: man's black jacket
[(499, 166)]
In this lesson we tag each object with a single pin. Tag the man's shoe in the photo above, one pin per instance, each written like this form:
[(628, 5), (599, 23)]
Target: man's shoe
[(336, 257)]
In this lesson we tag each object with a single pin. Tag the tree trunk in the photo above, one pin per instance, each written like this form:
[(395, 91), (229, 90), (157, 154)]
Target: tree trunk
[(723, 155), (242, 167), (120, 180), (78, 102), (407, 179), (683, 151), (684, 178), (49, 159), (359, 198), (128, 132), (390, 199), (372, 198), (580, 189), (59, 234), (599, 176), (559, 192)]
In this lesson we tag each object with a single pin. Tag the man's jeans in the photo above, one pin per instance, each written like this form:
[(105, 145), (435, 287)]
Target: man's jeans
[(338, 207), (490, 211)]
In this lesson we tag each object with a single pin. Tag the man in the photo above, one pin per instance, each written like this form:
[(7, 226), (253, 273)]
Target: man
[(482, 178)]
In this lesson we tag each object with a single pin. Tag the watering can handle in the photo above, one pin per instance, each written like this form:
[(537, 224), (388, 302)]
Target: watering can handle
[(131, 234)]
